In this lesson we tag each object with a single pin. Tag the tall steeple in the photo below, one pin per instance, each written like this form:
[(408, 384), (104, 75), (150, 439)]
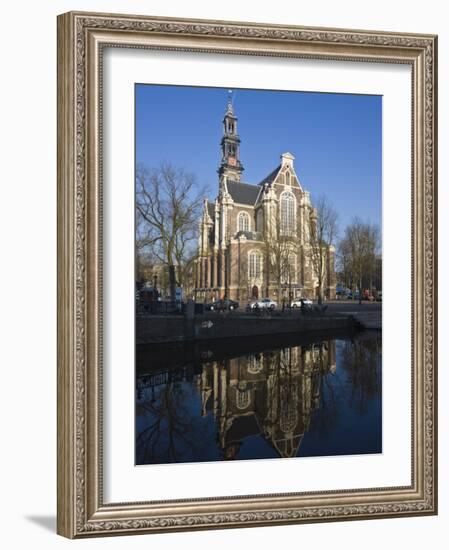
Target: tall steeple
[(230, 145)]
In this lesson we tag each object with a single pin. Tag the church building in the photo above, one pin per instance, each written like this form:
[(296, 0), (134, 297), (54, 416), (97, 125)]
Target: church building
[(255, 239)]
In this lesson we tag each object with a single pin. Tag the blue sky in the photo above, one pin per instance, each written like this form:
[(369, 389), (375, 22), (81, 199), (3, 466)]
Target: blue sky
[(335, 138)]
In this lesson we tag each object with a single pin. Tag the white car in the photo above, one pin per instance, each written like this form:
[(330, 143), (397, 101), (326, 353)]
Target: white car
[(299, 302), (265, 303)]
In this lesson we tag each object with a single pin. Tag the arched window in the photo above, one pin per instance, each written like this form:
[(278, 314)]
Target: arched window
[(289, 406), (287, 178), (254, 264), (243, 398), (288, 204), (243, 222), (254, 364)]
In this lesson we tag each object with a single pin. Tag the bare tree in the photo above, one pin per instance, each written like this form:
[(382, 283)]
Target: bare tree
[(168, 432), (360, 246), (322, 234), (186, 273), (344, 263), (144, 265), (168, 204), (278, 249)]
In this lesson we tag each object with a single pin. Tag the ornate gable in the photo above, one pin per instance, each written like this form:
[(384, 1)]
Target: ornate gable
[(284, 174), (287, 175)]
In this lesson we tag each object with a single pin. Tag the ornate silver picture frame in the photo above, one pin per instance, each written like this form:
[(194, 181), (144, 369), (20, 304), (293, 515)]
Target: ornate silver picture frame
[(82, 40)]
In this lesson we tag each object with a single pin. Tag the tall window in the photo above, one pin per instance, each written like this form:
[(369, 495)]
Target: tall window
[(255, 364), (287, 178), (243, 398), (243, 222), (287, 213), (254, 264), (289, 408)]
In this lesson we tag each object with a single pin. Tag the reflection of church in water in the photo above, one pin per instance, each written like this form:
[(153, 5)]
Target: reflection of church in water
[(270, 394)]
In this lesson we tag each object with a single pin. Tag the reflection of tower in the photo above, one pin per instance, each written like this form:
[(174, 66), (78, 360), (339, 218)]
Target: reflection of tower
[(283, 425), (271, 394)]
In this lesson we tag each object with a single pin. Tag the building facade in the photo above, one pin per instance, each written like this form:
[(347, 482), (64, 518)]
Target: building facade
[(255, 240)]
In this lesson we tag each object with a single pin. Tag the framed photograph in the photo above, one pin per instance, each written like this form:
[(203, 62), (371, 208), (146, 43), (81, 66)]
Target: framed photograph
[(246, 274)]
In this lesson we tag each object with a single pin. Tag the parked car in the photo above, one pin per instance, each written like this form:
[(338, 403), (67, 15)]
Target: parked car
[(264, 303), (341, 290), (148, 294), (301, 302), (344, 293), (223, 305)]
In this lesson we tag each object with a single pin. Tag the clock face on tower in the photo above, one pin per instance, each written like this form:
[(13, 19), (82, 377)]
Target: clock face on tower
[(232, 161)]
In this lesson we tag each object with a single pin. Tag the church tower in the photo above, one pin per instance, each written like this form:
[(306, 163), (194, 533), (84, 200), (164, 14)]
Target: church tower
[(230, 166)]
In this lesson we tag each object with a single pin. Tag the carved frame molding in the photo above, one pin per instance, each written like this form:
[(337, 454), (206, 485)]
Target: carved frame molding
[(81, 39)]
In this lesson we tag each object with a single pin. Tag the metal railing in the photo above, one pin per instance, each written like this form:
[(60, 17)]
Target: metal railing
[(145, 308), (158, 308)]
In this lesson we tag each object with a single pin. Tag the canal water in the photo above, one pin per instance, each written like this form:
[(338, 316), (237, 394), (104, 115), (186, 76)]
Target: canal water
[(262, 398)]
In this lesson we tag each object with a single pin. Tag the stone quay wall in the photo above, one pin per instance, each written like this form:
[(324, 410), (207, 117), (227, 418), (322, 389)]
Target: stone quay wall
[(158, 329)]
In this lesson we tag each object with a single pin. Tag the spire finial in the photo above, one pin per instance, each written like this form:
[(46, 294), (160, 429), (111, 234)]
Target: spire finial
[(230, 108)]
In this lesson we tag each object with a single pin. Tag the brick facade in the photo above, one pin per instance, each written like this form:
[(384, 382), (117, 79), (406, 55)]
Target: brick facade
[(254, 240)]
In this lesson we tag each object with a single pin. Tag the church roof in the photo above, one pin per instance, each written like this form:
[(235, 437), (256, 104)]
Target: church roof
[(270, 178), (243, 193)]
